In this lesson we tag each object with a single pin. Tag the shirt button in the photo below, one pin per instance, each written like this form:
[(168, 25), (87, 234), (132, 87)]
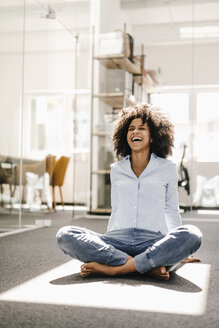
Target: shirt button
[(135, 206)]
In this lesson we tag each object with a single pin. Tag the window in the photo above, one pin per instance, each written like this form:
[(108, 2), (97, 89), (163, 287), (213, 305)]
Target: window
[(176, 105), (207, 127), (52, 124)]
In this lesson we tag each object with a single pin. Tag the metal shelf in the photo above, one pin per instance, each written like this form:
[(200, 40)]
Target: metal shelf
[(101, 172), (118, 62), (102, 134), (114, 99)]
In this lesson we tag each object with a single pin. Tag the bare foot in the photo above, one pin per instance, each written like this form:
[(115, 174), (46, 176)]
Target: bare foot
[(159, 273), (94, 268), (191, 259)]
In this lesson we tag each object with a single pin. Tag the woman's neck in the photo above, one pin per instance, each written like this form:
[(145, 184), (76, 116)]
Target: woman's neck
[(139, 162)]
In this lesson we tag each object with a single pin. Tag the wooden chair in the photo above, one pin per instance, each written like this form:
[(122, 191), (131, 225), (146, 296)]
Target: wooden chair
[(58, 177), (50, 165)]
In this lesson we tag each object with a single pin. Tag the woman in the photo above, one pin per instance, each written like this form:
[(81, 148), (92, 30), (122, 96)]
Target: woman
[(145, 233)]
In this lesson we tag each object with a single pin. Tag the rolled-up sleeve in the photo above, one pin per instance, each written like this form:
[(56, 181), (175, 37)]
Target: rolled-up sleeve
[(172, 215)]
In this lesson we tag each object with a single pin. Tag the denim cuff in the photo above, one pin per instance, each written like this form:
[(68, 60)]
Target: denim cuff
[(117, 257), (142, 263)]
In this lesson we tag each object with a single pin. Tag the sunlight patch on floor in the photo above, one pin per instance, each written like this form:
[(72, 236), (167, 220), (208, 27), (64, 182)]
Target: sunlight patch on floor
[(63, 285)]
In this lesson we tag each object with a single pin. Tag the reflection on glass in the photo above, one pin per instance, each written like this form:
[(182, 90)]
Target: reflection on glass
[(7, 177), (104, 188)]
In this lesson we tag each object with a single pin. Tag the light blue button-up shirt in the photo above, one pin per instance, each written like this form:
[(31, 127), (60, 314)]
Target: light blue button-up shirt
[(148, 202)]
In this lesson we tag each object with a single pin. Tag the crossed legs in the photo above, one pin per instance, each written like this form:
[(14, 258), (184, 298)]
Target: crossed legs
[(103, 258)]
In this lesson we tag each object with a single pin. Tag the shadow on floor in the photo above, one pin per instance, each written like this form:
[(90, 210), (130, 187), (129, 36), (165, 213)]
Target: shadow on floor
[(176, 282)]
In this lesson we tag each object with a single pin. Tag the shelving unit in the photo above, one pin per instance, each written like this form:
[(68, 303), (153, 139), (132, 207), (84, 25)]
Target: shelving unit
[(114, 99), (117, 62), (105, 104)]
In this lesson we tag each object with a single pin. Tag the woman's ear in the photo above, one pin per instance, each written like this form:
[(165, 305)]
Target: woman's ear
[(151, 139)]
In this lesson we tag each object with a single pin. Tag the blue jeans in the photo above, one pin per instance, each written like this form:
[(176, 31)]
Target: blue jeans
[(150, 249)]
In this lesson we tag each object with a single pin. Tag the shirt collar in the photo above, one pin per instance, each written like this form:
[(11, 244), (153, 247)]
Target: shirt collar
[(125, 164)]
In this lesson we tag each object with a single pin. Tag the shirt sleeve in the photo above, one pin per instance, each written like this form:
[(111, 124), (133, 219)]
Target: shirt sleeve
[(113, 200), (172, 215), (113, 188)]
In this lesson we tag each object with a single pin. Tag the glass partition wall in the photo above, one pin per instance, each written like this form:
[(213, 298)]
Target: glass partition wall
[(44, 105), (11, 98)]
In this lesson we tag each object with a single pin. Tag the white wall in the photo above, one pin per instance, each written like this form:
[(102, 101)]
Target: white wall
[(177, 66)]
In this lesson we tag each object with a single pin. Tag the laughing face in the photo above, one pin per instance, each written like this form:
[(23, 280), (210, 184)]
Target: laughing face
[(138, 136)]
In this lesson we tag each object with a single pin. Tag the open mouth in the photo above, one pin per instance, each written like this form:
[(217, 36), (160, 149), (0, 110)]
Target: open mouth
[(136, 139)]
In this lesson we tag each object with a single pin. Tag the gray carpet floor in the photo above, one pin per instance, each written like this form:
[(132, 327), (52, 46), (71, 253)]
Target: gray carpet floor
[(26, 255)]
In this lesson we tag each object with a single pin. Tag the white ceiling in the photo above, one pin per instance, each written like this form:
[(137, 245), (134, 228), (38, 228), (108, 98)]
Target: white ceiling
[(162, 24), (15, 3), (156, 22), (129, 4)]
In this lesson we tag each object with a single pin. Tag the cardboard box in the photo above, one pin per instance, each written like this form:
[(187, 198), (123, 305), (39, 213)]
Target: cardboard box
[(112, 43)]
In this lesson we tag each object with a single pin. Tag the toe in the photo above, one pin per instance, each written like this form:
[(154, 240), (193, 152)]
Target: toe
[(163, 270), (84, 274)]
